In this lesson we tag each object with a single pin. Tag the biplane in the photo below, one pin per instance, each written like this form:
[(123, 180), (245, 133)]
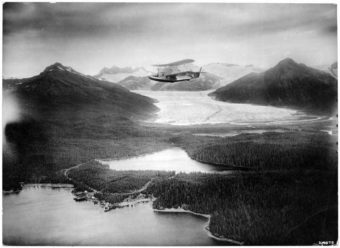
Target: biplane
[(170, 73)]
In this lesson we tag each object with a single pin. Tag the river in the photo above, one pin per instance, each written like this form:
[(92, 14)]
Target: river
[(46, 216)]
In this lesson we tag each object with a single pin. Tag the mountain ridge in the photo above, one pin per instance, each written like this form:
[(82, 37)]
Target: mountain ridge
[(287, 84), (67, 118), (58, 84)]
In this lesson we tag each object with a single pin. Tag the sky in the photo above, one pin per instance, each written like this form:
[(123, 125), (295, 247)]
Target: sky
[(90, 36)]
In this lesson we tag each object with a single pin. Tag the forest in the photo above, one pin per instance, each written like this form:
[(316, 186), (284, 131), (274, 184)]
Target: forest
[(289, 195), (103, 179), (268, 151), (64, 139), (257, 208)]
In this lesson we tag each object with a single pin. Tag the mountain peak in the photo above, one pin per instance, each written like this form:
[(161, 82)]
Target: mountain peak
[(288, 84), (58, 67), (287, 62)]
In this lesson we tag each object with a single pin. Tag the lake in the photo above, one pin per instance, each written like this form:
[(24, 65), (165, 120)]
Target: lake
[(173, 159), (41, 215), (45, 216)]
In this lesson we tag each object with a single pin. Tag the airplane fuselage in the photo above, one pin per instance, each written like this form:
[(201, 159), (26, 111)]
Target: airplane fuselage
[(167, 80), (176, 77)]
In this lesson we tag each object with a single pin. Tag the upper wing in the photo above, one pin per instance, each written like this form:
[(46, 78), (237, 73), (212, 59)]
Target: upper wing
[(177, 63)]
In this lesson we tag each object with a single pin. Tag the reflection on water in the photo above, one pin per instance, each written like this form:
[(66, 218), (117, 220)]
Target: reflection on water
[(174, 159), (45, 216)]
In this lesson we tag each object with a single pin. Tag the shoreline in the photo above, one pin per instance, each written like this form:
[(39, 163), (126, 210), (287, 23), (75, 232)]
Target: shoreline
[(51, 185), (47, 185), (127, 203), (206, 227)]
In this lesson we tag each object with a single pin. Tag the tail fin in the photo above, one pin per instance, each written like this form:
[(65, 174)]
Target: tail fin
[(199, 73)]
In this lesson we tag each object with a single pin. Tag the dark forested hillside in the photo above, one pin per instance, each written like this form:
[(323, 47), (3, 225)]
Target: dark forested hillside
[(59, 85), (287, 84), (67, 118), (105, 180), (258, 209), (268, 151), (288, 195)]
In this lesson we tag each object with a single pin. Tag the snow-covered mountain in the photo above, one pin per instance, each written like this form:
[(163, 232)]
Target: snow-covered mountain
[(137, 83), (214, 75), (229, 72), (332, 69), (116, 74)]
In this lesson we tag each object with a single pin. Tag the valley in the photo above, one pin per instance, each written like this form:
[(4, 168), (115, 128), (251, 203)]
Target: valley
[(180, 150), (170, 123)]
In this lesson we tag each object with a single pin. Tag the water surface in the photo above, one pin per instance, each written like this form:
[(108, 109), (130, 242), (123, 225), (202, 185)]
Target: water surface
[(46, 216), (173, 159)]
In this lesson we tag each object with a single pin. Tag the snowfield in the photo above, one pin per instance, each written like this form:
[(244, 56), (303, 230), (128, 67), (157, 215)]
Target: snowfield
[(116, 77), (229, 72), (194, 108)]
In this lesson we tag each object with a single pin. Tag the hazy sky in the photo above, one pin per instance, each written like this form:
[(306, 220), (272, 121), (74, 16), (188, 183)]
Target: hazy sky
[(89, 36)]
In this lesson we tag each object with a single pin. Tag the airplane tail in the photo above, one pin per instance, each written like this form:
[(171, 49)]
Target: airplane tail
[(198, 73), (201, 71)]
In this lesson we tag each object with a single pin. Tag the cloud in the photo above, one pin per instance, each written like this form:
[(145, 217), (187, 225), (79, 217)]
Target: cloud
[(79, 19), (128, 33)]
